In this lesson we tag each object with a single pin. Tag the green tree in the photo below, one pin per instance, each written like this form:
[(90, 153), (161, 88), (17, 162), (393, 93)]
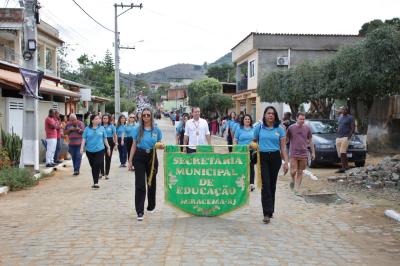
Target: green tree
[(223, 73), (200, 88), (279, 86), (377, 23), (215, 102), (108, 62)]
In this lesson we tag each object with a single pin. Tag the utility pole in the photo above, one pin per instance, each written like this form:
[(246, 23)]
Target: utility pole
[(30, 144), (117, 47)]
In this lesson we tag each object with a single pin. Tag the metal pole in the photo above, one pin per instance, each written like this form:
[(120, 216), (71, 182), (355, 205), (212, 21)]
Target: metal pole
[(30, 143), (116, 86)]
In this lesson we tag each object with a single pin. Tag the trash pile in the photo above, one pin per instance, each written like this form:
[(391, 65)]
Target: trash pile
[(386, 174)]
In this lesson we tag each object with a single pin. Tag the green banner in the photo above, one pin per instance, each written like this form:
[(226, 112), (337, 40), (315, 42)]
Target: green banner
[(206, 183)]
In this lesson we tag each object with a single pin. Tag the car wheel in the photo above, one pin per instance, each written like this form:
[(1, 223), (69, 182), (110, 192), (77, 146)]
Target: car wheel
[(360, 163)]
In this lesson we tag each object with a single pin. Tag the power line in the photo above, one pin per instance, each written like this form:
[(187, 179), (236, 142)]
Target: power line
[(92, 17)]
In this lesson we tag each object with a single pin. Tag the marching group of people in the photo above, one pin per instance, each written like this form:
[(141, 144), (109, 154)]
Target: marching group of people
[(137, 138)]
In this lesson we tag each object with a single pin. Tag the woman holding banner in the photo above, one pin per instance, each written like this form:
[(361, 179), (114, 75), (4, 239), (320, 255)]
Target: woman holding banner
[(244, 135), (146, 139), (271, 141)]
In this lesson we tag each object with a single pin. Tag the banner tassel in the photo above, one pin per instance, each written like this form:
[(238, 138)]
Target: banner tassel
[(150, 177), (259, 179)]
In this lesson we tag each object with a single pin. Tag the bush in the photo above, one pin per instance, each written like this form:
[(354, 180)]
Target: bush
[(4, 159), (16, 178)]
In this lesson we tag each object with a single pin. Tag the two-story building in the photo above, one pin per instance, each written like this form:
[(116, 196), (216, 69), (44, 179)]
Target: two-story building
[(55, 92), (261, 53)]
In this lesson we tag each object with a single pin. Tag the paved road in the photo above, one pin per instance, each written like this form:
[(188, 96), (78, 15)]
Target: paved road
[(62, 221)]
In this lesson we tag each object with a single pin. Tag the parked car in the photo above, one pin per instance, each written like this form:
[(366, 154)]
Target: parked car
[(324, 140)]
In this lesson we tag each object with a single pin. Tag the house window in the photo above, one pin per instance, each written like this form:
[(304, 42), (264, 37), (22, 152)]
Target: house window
[(251, 69), (49, 59)]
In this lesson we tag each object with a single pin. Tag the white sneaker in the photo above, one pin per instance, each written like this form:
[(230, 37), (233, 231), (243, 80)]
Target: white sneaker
[(140, 217), (152, 211)]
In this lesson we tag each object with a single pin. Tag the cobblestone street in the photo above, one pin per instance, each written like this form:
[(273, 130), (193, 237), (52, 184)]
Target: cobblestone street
[(63, 221)]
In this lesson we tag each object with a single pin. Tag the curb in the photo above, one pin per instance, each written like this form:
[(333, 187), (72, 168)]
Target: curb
[(4, 190), (47, 171)]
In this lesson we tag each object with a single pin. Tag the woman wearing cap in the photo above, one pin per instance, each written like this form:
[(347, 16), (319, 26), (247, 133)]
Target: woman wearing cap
[(94, 139), (143, 156)]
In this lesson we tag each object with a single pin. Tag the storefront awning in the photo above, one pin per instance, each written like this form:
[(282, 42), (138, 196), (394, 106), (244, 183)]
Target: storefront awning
[(14, 80)]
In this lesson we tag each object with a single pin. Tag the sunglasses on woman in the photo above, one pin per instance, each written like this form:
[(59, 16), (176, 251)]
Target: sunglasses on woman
[(146, 115)]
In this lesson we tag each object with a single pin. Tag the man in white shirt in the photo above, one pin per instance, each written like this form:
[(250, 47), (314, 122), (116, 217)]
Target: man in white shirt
[(196, 131)]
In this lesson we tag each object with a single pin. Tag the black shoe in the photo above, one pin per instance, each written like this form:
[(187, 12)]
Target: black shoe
[(49, 165), (58, 162), (341, 171), (75, 173), (95, 186), (266, 219), (140, 217), (107, 177)]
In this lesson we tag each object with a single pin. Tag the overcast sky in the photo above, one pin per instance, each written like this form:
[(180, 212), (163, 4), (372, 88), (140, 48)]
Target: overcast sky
[(193, 31)]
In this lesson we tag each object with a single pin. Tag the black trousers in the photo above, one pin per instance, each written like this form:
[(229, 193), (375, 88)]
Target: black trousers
[(252, 163), (230, 140), (107, 158), (128, 143), (142, 163), (270, 164), (95, 161)]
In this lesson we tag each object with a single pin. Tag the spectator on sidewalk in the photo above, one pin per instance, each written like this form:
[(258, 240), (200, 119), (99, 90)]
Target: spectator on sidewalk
[(58, 145), (51, 138), (346, 129), (74, 130), (94, 139), (300, 138)]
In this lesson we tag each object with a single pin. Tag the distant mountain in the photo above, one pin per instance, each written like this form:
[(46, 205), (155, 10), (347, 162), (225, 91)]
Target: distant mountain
[(226, 59), (178, 71)]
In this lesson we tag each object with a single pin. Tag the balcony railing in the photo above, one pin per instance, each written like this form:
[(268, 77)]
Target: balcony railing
[(242, 85)]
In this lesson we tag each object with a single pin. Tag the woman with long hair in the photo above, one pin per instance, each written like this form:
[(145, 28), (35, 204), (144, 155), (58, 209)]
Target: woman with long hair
[(143, 156), (128, 134), (244, 135), (112, 139), (94, 139), (271, 141), (121, 142)]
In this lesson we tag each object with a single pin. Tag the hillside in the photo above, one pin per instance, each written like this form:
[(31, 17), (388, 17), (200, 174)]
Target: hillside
[(178, 71)]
